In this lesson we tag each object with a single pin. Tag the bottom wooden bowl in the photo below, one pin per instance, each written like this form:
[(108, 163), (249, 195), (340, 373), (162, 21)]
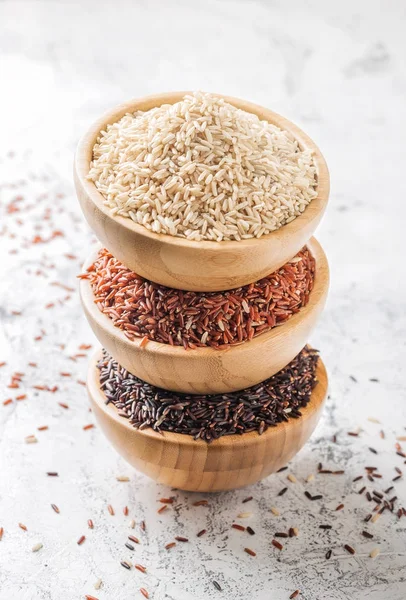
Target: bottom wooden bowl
[(233, 461)]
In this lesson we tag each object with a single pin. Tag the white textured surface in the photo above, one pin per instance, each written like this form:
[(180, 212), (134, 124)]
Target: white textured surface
[(338, 70)]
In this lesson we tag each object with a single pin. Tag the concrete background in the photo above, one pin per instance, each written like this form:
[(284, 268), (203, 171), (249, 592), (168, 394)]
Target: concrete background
[(338, 70)]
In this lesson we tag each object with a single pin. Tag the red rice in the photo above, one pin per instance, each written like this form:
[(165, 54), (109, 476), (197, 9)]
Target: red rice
[(146, 310)]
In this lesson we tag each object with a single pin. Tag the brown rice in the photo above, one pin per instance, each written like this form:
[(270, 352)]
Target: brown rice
[(202, 169)]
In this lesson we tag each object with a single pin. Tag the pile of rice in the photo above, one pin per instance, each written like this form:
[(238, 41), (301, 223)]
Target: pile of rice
[(202, 169), (143, 309)]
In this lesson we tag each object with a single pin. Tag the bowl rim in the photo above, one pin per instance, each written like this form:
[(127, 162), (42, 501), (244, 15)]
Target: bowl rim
[(320, 289), (84, 152), (318, 397)]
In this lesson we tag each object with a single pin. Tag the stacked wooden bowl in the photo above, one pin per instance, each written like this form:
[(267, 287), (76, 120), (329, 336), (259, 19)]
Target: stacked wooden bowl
[(177, 459)]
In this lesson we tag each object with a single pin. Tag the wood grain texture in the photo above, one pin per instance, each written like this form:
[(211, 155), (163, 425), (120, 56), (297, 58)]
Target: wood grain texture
[(207, 370), (230, 462), (176, 262)]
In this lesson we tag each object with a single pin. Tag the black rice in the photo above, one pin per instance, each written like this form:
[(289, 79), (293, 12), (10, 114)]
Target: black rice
[(209, 417), (367, 535)]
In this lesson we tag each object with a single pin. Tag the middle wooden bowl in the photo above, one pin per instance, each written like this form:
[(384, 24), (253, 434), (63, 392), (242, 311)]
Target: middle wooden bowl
[(207, 370)]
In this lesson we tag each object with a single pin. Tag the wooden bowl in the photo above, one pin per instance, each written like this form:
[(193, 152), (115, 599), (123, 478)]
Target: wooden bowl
[(188, 265), (207, 370), (233, 461)]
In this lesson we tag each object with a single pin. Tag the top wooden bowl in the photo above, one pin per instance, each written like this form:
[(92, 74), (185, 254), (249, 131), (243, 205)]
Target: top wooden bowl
[(230, 462), (188, 265)]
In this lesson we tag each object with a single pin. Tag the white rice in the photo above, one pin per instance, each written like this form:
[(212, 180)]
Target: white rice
[(203, 170)]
